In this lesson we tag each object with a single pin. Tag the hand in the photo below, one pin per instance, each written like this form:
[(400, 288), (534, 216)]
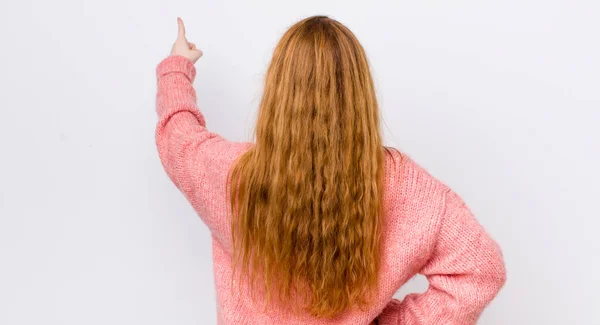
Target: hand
[(183, 47)]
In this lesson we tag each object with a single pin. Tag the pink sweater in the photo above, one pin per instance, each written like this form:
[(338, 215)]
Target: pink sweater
[(428, 229)]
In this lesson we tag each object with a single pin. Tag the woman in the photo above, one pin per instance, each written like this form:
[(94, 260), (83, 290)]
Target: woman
[(317, 222)]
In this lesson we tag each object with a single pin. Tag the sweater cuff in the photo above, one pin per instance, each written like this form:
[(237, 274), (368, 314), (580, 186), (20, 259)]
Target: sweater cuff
[(176, 64)]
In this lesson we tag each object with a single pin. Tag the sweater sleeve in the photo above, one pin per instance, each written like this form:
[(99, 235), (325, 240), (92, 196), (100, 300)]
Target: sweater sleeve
[(465, 272), (195, 159)]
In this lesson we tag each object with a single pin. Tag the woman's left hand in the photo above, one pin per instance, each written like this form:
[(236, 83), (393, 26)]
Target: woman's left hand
[(184, 48)]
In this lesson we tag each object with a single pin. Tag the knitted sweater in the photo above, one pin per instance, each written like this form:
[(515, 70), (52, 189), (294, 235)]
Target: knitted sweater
[(427, 228)]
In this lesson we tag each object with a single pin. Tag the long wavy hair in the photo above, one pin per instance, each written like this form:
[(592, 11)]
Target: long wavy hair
[(306, 199)]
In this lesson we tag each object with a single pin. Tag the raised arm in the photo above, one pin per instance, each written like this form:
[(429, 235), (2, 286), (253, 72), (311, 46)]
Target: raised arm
[(195, 159), (465, 273)]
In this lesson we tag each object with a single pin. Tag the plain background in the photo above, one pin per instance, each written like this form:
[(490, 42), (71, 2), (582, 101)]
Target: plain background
[(500, 100)]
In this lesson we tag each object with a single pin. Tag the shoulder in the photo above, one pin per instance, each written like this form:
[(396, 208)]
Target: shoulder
[(410, 178), (412, 188)]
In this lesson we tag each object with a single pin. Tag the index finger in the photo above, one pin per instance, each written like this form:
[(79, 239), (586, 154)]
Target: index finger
[(180, 29)]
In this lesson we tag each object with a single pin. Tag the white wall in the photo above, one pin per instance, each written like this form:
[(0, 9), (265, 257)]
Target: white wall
[(500, 100)]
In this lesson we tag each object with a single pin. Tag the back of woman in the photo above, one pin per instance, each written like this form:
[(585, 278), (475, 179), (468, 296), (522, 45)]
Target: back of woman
[(315, 221)]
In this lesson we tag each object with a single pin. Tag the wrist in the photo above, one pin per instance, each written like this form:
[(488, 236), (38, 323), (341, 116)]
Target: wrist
[(176, 63)]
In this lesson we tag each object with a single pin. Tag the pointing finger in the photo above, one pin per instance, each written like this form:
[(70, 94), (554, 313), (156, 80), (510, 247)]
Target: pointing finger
[(181, 29)]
